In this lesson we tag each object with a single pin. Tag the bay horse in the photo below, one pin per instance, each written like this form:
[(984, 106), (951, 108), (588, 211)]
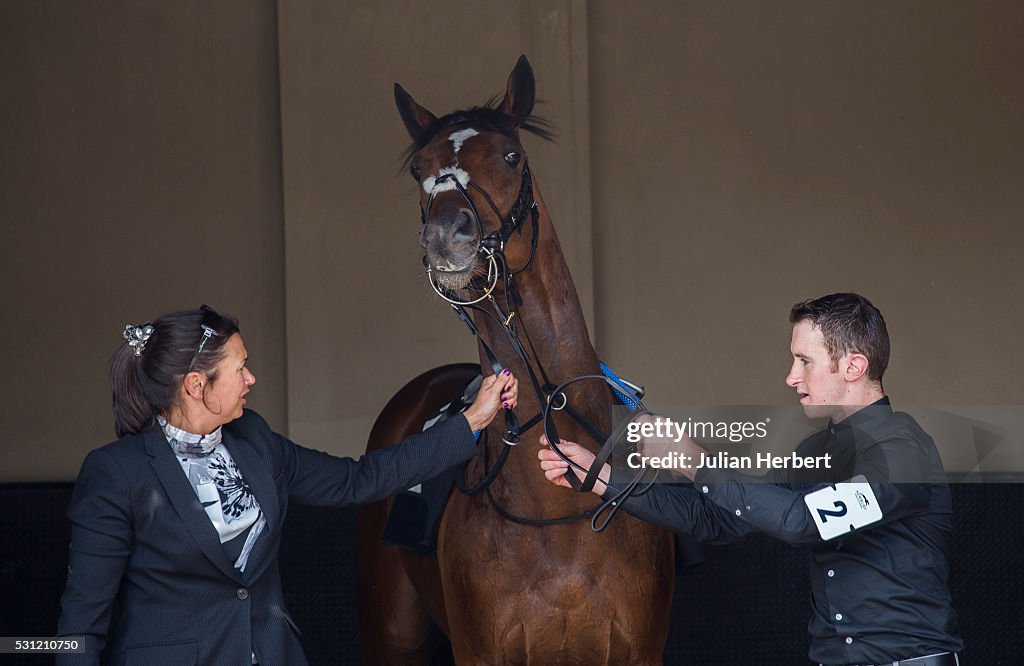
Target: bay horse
[(504, 591)]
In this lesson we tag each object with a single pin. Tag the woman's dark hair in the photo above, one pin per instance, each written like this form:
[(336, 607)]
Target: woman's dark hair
[(148, 383)]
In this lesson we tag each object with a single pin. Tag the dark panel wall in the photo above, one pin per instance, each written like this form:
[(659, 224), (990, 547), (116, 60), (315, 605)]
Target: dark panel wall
[(747, 603)]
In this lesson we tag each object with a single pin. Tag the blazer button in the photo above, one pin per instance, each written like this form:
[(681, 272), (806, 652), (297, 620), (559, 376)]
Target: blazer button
[(242, 593)]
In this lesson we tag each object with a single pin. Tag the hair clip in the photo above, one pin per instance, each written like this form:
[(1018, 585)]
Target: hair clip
[(208, 332), (137, 336)]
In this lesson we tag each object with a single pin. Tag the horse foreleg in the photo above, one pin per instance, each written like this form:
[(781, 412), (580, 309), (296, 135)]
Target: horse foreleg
[(401, 604), (394, 623)]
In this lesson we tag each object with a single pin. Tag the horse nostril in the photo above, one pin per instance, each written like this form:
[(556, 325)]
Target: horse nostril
[(427, 234), (465, 231)]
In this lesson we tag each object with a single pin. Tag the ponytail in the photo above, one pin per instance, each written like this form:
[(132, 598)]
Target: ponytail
[(132, 412)]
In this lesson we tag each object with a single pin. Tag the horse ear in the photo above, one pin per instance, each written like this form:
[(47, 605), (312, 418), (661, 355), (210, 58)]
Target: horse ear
[(415, 117), (518, 101)]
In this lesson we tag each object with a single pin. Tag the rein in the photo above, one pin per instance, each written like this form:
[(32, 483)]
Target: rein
[(552, 397)]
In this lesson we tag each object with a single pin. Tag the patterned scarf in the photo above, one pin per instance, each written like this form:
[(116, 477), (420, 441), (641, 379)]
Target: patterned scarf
[(187, 443), (218, 483)]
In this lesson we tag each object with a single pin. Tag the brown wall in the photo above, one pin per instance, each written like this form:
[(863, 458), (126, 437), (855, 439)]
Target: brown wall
[(361, 318), (141, 173), (716, 162), (748, 155)]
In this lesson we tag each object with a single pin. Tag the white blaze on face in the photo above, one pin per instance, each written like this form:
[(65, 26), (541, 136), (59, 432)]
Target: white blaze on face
[(430, 184), (459, 138)]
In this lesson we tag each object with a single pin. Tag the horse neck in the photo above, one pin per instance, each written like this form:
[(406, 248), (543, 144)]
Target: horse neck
[(553, 318), (550, 313)]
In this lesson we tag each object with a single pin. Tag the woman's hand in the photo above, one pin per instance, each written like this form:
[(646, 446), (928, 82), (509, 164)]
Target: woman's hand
[(554, 467), (495, 391)]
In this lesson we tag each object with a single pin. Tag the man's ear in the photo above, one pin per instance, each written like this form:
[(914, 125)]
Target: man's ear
[(856, 367)]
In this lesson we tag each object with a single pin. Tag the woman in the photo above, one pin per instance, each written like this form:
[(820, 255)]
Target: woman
[(180, 520)]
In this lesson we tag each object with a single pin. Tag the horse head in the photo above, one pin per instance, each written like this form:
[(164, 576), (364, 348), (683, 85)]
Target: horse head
[(474, 183)]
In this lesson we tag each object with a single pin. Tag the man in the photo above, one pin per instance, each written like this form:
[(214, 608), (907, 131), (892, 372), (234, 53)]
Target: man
[(878, 583)]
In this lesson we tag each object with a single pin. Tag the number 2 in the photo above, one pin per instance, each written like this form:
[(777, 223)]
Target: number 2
[(840, 511)]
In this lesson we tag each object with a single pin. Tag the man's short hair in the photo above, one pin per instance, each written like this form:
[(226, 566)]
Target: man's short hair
[(849, 323)]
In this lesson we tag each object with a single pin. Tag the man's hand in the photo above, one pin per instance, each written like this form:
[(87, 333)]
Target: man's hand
[(554, 467), (657, 447)]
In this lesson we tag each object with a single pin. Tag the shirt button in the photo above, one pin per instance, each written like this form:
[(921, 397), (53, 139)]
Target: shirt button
[(831, 573), (839, 617), (704, 489), (738, 512), (848, 640), (242, 593)]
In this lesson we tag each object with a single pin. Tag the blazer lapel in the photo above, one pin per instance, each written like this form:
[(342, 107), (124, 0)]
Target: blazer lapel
[(256, 474), (183, 498)]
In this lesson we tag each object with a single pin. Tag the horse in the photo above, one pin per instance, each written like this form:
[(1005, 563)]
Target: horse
[(515, 580)]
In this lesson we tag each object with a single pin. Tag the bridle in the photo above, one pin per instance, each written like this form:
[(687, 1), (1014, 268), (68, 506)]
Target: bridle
[(551, 396), (491, 246)]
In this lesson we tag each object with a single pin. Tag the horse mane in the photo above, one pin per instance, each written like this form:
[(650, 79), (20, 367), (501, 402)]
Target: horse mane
[(486, 116)]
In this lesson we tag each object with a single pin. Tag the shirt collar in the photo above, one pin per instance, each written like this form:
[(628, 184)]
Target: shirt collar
[(188, 443), (880, 408)]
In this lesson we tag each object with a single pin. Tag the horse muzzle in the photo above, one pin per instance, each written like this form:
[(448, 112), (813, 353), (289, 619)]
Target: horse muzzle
[(451, 241)]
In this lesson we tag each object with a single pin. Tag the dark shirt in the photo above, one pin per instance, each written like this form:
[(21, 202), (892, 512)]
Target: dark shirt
[(879, 593)]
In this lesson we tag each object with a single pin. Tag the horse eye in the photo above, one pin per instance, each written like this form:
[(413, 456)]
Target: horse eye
[(512, 159), (415, 172)]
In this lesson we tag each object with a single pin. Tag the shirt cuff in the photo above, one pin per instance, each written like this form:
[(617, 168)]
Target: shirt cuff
[(611, 490)]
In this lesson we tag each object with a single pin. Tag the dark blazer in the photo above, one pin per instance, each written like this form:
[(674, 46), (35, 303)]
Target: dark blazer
[(140, 538)]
